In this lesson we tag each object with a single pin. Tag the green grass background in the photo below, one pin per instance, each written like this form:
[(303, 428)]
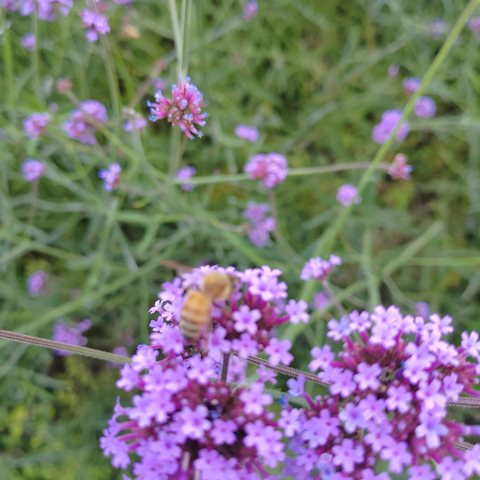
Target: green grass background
[(313, 76)]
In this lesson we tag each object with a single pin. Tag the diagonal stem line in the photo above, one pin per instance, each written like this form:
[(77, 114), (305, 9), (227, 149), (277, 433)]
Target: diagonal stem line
[(77, 350)]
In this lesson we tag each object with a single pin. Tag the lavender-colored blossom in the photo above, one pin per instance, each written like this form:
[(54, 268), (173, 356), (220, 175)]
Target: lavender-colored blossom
[(183, 110), (474, 25), (82, 123), (367, 376), (135, 122), (270, 168), (222, 432), (36, 283), (438, 28), (36, 124), (246, 320), (33, 170), (278, 351), (95, 24), (393, 70), (251, 10), (321, 300), (411, 84), (319, 269), (111, 176), (388, 123), (70, 334), (348, 194), (296, 387), (425, 107), (185, 173), (297, 311), (389, 385), (29, 41), (247, 132), (260, 224), (400, 169)]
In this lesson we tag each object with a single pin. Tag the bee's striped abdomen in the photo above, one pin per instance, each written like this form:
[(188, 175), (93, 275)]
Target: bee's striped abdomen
[(195, 314)]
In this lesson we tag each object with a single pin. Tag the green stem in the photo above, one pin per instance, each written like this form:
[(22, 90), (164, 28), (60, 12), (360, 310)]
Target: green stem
[(325, 245), (7, 55), (53, 345), (293, 172), (186, 25), (36, 56), (177, 37)]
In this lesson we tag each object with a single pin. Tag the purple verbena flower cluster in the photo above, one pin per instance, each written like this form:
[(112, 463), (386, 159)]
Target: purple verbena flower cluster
[(425, 107), (46, 9), (411, 85), (260, 223), (348, 194), (186, 173), (183, 424), (111, 176), (71, 334), (29, 41), (319, 269), (33, 170), (83, 121), (247, 132), (183, 110), (400, 169), (36, 283), (36, 124), (270, 168), (389, 389), (251, 10), (95, 24), (389, 121)]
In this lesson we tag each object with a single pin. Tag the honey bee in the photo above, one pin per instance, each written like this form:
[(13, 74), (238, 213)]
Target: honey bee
[(196, 311)]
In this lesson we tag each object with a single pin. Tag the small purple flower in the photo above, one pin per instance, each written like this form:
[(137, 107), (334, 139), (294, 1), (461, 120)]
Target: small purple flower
[(278, 351), (425, 107), (270, 168), (185, 173), (33, 170), (246, 320), (194, 422), (81, 125), (347, 454), (474, 25), (319, 269), (36, 283), (388, 123), (251, 10), (352, 417), (322, 356), (297, 310), (136, 122), (223, 432), (111, 176), (367, 376), (411, 84), (348, 194), (72, 335), (296, 387), (247, 132), (255, 399), (438, 28), (183, 110), (29, 41), (393, 70), (95, 24), (321, 300), (260, 224), (400, 169), (36, 124)]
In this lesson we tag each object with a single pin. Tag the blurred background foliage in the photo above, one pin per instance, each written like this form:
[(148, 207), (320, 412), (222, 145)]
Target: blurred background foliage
[(313, 77)]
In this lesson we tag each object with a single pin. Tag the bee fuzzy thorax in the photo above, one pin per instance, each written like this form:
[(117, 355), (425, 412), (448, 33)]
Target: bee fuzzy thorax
[(217, 285)]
